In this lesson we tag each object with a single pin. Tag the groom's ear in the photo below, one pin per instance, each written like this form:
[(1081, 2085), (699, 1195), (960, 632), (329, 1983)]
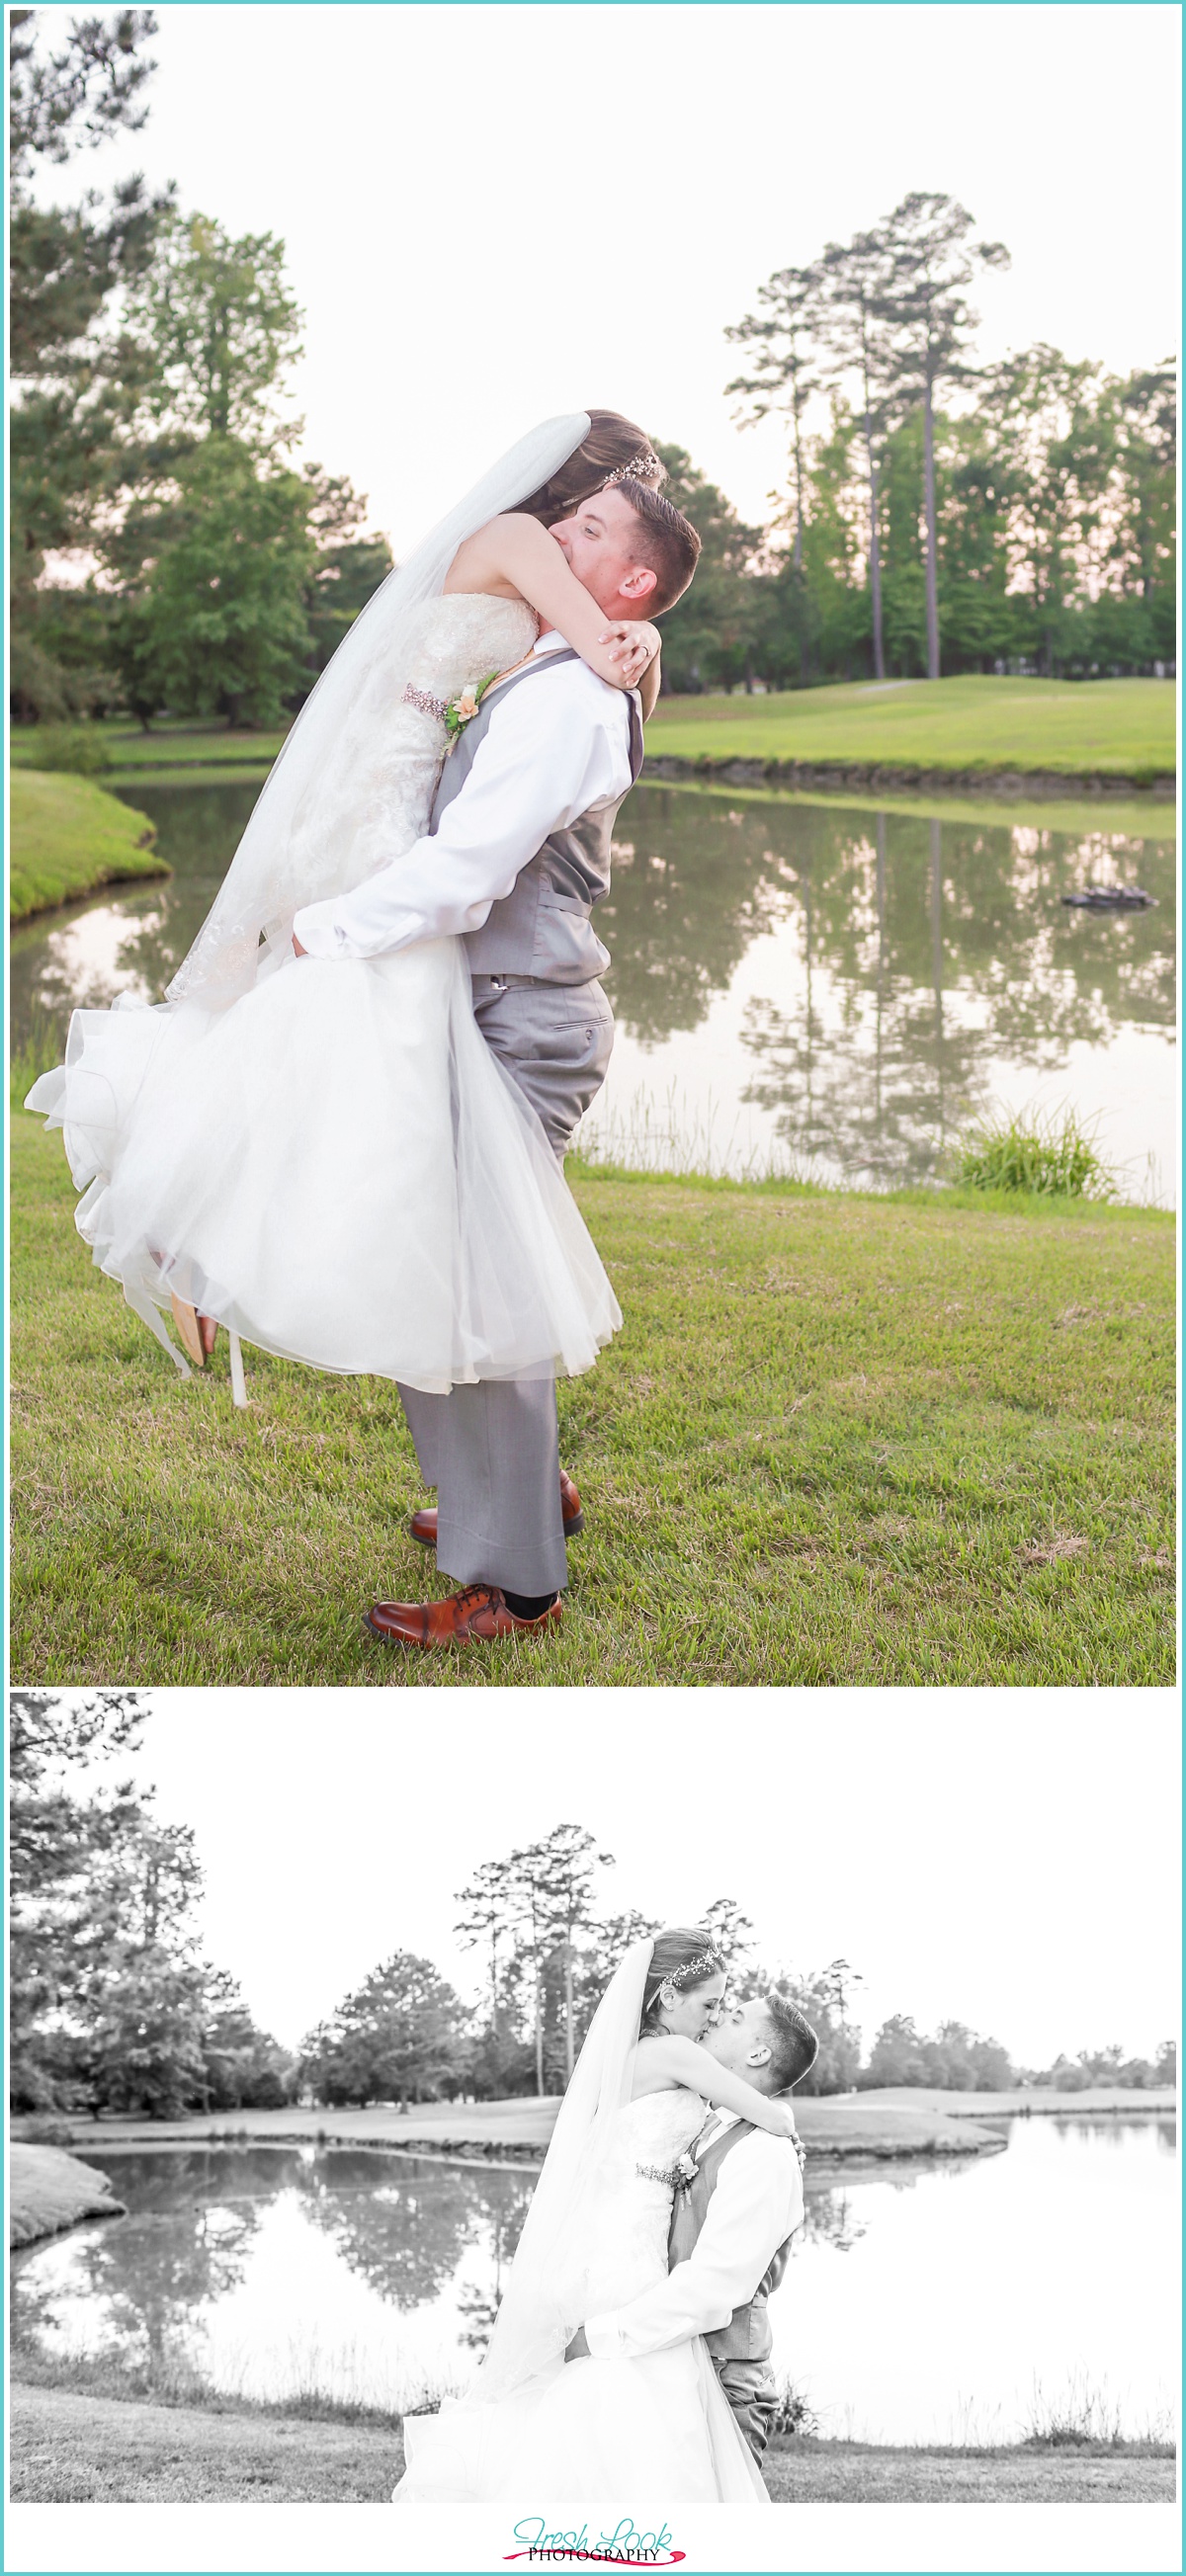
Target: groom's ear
[(637, 586)]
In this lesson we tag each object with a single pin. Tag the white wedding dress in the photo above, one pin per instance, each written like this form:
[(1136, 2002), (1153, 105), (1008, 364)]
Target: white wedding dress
[(335, 1165), (593, 2432)]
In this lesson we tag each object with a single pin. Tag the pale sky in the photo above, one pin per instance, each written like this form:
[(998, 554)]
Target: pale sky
[(498, 212), (1008, 1858)]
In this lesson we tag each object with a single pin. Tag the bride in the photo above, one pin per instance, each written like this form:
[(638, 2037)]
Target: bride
[(596, 2235), (327, 1157)]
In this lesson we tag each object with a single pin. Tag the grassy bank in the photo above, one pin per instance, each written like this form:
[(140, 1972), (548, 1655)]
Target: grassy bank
[(174, 746), (79, 2449), (1100, 728), (1129, 818), (841, 1439), (49, 2190), (68, 837), (903, 2121)]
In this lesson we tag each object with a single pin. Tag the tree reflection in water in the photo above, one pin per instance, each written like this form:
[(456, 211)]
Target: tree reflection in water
[(145, 2275), (404, 2223), (139, 2285), (929, 951), (830, 2219)]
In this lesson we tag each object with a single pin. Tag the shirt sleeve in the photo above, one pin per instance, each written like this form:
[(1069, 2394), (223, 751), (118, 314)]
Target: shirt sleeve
[(757, 2204), (549, 753)]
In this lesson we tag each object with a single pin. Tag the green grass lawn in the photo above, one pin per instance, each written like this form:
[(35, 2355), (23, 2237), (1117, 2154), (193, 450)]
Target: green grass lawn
[(69, 837), (1113, 728), (840, 1440), (68, 2447), (174, 746)]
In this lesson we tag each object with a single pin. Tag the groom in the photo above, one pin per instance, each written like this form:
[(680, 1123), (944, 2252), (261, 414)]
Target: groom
[(517, 856), (731, 2228)]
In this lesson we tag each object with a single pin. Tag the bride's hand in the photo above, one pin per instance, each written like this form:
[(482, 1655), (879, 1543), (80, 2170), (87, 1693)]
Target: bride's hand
[(778, 2119), (638, 644)]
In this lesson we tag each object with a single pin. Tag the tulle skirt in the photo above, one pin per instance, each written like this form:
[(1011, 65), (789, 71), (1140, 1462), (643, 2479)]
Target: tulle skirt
[(338, 1169), (592, 2432)]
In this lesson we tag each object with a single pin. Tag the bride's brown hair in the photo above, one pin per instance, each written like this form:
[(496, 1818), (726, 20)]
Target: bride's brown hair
[(614, 446), (684, 1954)]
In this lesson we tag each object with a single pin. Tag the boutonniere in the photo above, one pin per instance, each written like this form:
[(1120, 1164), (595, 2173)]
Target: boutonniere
[(686, 2171), (461, 710)]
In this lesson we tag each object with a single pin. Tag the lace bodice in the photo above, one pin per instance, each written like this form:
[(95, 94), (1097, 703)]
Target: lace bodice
[(628, 2243), (466, 635), (458, 641)]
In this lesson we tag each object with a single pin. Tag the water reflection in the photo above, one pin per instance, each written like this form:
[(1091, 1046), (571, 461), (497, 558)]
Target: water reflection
[(866, 983), (378, 2276), (848, 987)]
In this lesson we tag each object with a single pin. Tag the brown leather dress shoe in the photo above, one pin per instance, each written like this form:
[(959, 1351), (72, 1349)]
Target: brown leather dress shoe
[(465, 1619), (423, 1525)]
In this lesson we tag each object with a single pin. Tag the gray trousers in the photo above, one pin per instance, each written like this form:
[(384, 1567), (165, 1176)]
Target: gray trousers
[(492, 1450), (752, 2394)]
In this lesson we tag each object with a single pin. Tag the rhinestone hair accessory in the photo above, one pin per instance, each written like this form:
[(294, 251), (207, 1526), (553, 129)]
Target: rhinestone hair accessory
[(638, 469), (706, 1965)]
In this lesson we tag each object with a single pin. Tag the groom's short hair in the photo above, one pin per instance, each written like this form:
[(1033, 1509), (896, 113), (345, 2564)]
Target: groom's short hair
[(667, 543), (793, 2042)]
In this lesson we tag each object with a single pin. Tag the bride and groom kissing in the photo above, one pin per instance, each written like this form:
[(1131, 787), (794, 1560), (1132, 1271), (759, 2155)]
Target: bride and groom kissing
[(630, 2357), (341, 1135)]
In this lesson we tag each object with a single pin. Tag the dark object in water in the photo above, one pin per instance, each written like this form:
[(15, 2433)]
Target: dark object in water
[(1114, 898)]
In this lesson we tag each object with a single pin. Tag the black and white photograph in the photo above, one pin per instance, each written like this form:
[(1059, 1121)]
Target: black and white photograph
[(739, 2133)]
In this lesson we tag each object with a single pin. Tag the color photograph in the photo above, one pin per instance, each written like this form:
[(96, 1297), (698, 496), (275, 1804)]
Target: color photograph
[(592, 982)]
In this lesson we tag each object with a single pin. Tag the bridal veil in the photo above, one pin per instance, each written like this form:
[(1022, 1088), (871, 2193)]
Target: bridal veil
[(319, 827)]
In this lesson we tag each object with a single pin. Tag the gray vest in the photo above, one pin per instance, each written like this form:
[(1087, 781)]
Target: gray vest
[(747, 2336), (543, 926)]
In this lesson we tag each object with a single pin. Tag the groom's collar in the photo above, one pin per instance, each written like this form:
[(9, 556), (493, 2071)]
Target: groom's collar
[(552, 642)]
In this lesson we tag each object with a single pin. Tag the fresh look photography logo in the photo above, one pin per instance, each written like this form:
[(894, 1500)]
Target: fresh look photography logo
[(626, 2546)]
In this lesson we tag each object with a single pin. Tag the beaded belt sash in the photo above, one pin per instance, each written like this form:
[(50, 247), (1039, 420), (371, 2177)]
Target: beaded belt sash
[(427, 704)]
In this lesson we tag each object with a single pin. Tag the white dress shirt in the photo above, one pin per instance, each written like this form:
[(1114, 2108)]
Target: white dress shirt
[(757, 2204), (550, 753)]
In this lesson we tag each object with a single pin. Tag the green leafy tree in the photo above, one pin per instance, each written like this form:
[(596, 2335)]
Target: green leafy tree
[(218, 625), (922, 305), (855, 280), (783, 335), (222, 327), (346, 568), (76, 376), (711, 635)]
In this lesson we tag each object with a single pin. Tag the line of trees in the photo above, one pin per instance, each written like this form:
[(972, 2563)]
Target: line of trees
[(944, 515), (149, 447), (168, 554), (113, 2005)]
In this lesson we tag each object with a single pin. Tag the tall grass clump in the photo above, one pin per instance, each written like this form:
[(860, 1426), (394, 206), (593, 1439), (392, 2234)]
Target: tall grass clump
[(27, 1063), (1036, 1157), (1083, 2410), (79, 748)]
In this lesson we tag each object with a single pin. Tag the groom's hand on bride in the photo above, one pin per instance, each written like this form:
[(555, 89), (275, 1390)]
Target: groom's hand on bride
[(578, 2349)]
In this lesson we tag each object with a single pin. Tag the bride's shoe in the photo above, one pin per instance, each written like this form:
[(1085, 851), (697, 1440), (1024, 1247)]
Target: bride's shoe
[(189, 1325), (199, 1333)]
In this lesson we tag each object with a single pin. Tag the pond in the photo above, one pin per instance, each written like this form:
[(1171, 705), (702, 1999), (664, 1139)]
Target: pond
[(809, 988), (925, 2300)]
